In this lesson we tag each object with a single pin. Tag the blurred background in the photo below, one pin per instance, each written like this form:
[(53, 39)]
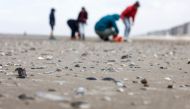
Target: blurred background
[(32, 16)]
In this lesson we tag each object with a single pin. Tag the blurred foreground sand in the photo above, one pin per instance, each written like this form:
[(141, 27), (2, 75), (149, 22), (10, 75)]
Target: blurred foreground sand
[(58, 74)]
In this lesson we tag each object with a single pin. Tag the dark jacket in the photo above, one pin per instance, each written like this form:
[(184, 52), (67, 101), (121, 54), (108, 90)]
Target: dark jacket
[(83, 16), (73, 24), (52, 18), (107, 22)]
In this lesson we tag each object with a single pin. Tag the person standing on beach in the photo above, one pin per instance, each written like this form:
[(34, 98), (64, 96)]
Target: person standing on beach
[(73, 25), (52, 22), (128, 18), (107, 27), (82, 19)]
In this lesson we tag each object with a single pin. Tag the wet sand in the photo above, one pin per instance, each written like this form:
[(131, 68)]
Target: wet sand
[(65, 74)]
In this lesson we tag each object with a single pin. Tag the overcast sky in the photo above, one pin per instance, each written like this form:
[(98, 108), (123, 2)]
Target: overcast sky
[(17, 16)]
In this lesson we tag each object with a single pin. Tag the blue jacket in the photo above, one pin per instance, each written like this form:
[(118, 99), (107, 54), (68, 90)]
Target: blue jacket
[(106, 22)]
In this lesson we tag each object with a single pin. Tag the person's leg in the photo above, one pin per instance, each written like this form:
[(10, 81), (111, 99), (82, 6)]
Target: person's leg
[(72, 34), (81, 30), (127, 28), (52, 29), (73, 28), (51, 26), (104, 35), (99, 33)]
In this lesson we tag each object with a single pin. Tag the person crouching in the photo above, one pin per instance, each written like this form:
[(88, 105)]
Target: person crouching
[(106, 27)]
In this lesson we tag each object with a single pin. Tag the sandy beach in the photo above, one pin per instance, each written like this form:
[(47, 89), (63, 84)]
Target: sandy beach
[(92, 74)]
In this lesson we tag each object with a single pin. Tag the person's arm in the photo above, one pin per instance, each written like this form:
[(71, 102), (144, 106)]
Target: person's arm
[(122, 16), (86, 15), (54, 19), (133, 16), (133, 19), (79, 16), (115, 27)]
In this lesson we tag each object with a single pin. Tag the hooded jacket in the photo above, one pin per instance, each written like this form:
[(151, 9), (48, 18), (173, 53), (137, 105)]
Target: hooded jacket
[(129, 12), (107, 22)]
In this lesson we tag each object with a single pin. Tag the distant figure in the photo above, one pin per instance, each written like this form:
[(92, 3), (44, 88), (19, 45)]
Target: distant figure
[(82, 18), (128, 17), (107, 27), (52, 22), (73, 24)]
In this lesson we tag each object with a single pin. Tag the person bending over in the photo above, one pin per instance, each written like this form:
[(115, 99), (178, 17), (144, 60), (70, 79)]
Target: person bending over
[(73, 25), (107, 27), (128, 17)]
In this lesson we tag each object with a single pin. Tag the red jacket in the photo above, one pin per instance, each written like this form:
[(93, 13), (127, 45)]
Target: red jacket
[(83, 16), (129, 12)]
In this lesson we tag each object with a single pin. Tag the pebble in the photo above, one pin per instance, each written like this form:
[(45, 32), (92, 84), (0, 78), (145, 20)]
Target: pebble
[(32, 49), (170, 86), (187, 85), (111, 60), (133, 103), (80, 105), (49, 57), (17, 65), (125, 56), (51, 90), (107, 98), (171, 53), (21, 72), (188, 62), (120, 90), (38, 68), (138, 77), (155, 55), (1, 96), (168, 78), (163, 67), (25, 97), (125, 79), (58, 70), (145, 82), (143, 88), (111, 69), (77, 65), (41, 58), (91, 78), (120, 84), (80, 91), (132, 64), (135, 82), (51, 97), (50, 72), (108, 79), (84, 54)]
